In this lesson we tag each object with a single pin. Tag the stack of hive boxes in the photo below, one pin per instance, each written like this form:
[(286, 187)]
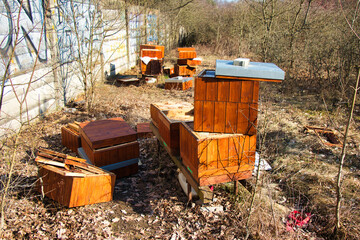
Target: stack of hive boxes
[(151, 59), (186, 62), (110, 144), (219, 146), (184, 70)]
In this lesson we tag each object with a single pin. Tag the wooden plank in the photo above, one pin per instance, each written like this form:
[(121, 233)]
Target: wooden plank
[(243, 119), (223, 90), (219, 117), (247, 88), (200, 88), (211, 90), (231, 117), (223, 154), (235, 91), (255, 98), (204, 181), (208, 116), (198, 115)]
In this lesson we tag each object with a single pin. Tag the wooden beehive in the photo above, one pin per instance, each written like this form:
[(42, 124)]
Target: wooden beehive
[(189, 62), (225, 105), (184, 70), (157, 47), (83, 184), (70, 138), (109, 141), (154, 67), (187, 54), (215, 158), (152, 53), (177, 83), (167, 118)]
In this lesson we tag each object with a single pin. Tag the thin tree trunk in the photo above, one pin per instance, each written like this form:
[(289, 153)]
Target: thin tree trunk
[(342, 158)]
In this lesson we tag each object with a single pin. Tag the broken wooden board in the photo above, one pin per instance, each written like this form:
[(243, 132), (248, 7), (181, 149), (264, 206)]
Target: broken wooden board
[(71, 181), (327, 136)]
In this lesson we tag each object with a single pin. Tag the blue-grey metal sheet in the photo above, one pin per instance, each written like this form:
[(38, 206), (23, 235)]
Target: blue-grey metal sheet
[(253, 70), (178, 79)]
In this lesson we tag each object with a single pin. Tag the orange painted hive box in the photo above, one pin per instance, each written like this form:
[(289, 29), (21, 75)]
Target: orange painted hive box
[(167, 117), (153, 67), (88, 186), (184, 70), (214, 158), (225, 105), (156, 47), (109, 143), (178, 83)]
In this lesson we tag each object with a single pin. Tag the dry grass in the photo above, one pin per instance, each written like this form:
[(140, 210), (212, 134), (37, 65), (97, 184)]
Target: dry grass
[(151, 204)]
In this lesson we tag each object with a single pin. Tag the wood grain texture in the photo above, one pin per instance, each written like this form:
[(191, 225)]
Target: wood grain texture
[(150, 46), (187, 54), (70, 139), (107, 132), (168, 128), (143, 130), (216, 157), (76, 191), (179, 86), (208, 116)]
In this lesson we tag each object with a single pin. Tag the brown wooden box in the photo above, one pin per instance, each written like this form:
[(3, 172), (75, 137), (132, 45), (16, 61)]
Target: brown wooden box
[(149, 46), (189, 62), (187, 54), (109, 141), (215, 158), (225, 105), (154, 67), (143, 130), (184, 70), (153, 53), (178, 85), (70, 139), (167, 118), (72, 191)]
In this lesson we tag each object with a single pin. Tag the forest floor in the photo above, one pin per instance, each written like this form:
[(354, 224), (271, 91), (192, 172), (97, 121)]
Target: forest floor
[(151, 203)]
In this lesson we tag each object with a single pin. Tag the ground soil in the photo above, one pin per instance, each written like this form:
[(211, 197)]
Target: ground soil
[(151, 203)]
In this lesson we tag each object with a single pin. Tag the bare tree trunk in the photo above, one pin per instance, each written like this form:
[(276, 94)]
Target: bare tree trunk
[(342, 157)]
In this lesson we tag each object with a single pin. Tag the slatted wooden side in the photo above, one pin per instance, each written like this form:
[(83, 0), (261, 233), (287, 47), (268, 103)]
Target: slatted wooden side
[(70, 139), (76, 191), (115, 154), (217, 158), (154, 113), (158, 47), (169, 131), (179, 86), (226, 106), (184, 70), (225, 117), (153, 53), (189, 62), (187, 54)]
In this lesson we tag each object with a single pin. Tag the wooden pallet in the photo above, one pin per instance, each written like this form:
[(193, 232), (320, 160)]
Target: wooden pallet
[(204, 192), (71, 181)]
